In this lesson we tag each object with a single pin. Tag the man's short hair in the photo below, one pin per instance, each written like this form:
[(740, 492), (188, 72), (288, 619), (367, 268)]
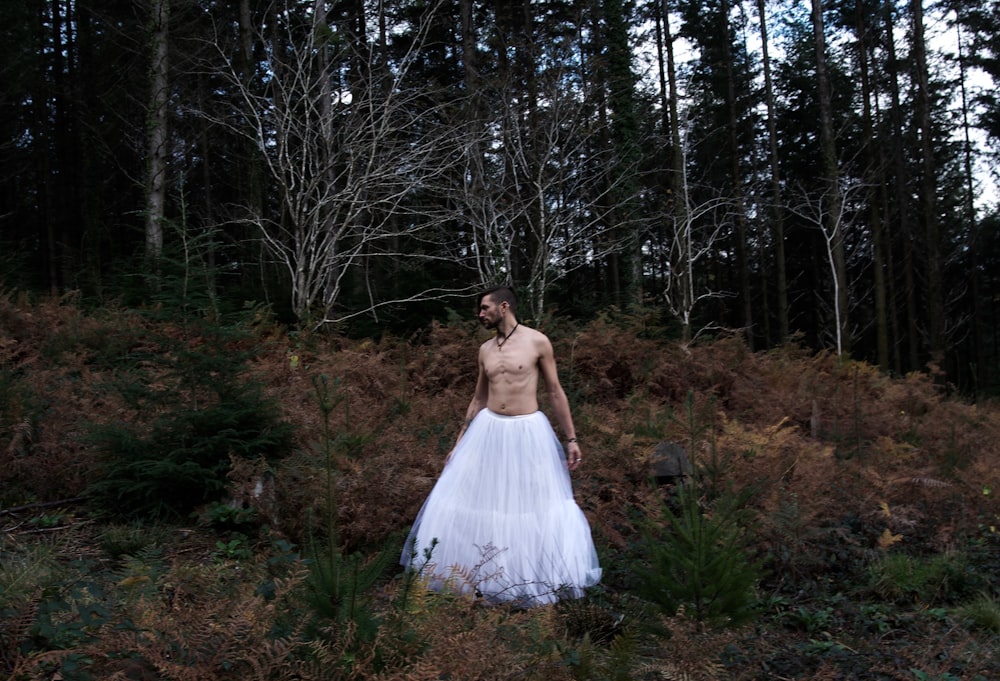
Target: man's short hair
[(501, 294)]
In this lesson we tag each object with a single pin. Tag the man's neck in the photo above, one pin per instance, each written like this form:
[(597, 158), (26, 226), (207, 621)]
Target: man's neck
[(505, 326)]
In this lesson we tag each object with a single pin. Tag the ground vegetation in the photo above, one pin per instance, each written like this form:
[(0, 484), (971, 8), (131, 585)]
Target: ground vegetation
[(838, 522)]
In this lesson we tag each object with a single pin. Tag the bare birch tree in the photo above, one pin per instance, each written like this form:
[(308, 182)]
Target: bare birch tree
[(347, 159), (832, 211), (829, 214), (544, 193), (693, 232)]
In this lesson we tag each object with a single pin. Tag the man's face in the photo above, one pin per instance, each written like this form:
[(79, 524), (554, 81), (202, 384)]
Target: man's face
[(490, 313)]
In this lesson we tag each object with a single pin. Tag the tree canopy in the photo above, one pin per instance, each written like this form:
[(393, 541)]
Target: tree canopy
[(820, 171)]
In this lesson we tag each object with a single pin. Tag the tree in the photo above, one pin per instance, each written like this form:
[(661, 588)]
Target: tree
[(983, 20), (902, 225), (156, 160), (347, 142), (833, 212), (928, 188), (978, 370), (695, 233), (623, 149), (864, 21), (551, 183), (722, 133), (829, 215), (774, 168)]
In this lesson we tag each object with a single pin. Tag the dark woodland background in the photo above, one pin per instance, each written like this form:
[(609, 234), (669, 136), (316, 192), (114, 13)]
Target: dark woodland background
[(821, 171)]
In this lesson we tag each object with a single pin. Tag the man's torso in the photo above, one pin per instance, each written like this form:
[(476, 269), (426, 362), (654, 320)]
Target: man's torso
[(511, 368)]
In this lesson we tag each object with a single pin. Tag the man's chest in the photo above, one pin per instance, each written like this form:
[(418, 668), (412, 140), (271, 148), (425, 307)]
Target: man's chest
[(513, 367)]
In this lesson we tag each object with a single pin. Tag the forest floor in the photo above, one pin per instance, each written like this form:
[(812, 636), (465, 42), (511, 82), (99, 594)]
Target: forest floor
[(860, 509)]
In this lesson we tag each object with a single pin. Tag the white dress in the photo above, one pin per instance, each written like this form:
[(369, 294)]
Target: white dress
[(501, 521)]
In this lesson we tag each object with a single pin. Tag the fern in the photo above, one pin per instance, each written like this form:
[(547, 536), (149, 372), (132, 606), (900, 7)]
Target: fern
[(622, 654)]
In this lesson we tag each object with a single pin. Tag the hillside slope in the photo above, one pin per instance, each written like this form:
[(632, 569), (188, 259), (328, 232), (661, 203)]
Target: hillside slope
[(871, 503)]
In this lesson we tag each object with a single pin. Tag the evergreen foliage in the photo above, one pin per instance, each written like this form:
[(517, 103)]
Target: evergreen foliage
[(700, 559), (168, 467), (339, 586), (195, 406)]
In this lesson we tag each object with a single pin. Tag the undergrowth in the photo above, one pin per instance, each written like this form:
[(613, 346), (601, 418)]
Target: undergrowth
[(847, 521)]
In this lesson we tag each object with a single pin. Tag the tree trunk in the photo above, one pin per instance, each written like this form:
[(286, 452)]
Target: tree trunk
[(777, 213), (624, 149), (928, 190), (831, 170), (47, 191), (156, 162), (876, 180), (979, 373), (249, 165), (902, 202), (674, 206), (736, 177), (58, 142), (679, 263)]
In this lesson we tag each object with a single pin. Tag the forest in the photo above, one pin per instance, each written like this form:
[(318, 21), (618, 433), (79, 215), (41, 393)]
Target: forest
[(820, 171), (240, 244)]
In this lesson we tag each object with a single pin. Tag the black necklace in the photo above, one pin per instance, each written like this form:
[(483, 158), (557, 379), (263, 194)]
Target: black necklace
[(500, 343)]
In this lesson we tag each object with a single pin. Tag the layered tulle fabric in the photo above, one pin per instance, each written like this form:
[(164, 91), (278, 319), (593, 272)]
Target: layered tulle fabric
[(501, 521)]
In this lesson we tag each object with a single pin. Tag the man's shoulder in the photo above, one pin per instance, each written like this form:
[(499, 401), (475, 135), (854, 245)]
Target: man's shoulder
[(538, 337)]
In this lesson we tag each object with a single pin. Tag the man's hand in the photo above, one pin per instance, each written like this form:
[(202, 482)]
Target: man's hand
[(573, 456)]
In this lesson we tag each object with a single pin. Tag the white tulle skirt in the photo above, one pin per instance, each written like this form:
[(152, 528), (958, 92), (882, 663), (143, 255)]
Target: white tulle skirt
[(501, 521)]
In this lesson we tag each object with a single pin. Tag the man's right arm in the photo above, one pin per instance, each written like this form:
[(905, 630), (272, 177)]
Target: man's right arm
[(479, 400)]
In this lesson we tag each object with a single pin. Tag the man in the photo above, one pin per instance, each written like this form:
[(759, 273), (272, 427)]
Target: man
[(501, 520)]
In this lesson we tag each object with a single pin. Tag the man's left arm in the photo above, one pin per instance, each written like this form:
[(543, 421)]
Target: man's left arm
[(559, 402)]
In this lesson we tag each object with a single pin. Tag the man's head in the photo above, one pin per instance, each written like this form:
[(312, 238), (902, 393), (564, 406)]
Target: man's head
[(494, 303)]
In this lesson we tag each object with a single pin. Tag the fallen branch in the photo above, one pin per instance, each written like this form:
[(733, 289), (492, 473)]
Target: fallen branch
[(41, 504)]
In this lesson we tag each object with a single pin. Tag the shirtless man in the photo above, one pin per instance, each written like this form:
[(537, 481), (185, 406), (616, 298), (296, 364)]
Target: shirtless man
[(501, 521), (509, 366)]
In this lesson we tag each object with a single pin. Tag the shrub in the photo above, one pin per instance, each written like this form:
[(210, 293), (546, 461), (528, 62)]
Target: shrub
[(196, 408), (700, 559), (930, 580), (982, 613)]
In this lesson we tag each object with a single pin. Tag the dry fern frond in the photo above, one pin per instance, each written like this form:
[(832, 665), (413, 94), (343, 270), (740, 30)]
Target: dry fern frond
[(206, 629), (23, 434), (14, 628), (579, 618), (887, 539), (921, 481), (691, 652), (705, 670)]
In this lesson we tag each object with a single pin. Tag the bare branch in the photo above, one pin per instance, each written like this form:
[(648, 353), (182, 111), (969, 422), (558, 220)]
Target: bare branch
[(348, 144)]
